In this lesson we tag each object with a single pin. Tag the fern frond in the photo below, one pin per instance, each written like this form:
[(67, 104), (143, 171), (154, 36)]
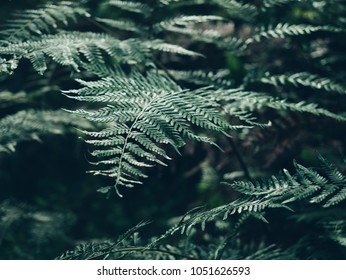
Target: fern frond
[(30, 23), (95, 250), (126, 25), (131, 6), (169, 2), (251, 101), (65, 49), (237, 9), (162, 46), (269, 4), (276, 191), (183, 22), (70, 48), (199, 77), (283, 30), (202, 217), (305, 79), (31, 124), (141, 112), (328, 190), (233, 8)]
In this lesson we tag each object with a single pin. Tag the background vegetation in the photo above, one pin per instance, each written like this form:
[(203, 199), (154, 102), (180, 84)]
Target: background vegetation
[(269, 79)]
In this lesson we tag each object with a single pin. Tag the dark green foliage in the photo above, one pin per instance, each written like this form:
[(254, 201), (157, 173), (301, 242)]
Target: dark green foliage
[(238, 89), (38, 21), (31, 124)]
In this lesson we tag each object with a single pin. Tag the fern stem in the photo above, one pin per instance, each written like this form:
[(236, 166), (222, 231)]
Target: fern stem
[(240, 159)]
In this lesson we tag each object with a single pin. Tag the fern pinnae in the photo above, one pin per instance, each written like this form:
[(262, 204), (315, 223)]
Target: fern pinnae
[(151, 109), (183, 22), (67, 48), (198, 77), (243, 101), (237, 9), (162, 46), (305, 79), (41, 20), (283, 30), (131, 6), (119, 171)]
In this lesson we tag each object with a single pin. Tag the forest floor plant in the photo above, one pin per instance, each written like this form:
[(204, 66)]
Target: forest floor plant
[(200, 102)]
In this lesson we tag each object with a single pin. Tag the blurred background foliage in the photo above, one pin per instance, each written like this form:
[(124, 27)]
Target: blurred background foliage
[(48, 203)]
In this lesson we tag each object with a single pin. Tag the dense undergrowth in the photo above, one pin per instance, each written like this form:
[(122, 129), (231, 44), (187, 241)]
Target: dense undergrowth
[(215, 129)]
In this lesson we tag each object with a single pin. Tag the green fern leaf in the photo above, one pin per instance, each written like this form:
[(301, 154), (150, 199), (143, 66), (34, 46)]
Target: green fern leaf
[(126, 25), (39, 21), (241, 101), (305, 79), (237, 9), (183, 22), (162, 46), (141, 112), (69, 48), (283, 30), (257, 196), (131, 6), (199, 77)]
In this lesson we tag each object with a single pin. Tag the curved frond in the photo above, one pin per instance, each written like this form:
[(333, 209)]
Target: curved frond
[(243, 101), (237, 9), (70, 48), (199, 77), (40, 21), (306, 80), (274, 192), (283, 30), (126, 25), (184, 21), (142, 112), (131, 6), (326, 189), (162, 46)]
